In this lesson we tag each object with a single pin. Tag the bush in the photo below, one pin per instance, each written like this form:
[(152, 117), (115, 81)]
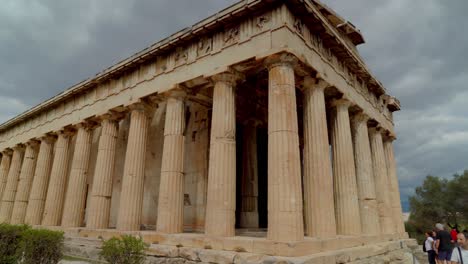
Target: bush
[(10, 238), (124, 250), (41, 246)]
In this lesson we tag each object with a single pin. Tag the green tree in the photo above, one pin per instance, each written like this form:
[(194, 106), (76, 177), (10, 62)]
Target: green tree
[(439, 200)]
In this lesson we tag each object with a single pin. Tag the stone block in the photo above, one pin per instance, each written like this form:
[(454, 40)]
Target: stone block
[(163, 251), (215, 256), (189, 253)]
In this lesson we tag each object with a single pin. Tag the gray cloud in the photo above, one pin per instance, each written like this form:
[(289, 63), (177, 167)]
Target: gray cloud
[(417, 49)]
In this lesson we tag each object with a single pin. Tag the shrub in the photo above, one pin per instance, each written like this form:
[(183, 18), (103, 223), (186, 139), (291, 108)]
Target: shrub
[(41, 246), (124, 250), (10, 238)]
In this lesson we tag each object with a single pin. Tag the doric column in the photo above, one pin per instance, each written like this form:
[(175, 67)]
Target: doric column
[(381, 181), (249, 180), (131, 197), (25, 181), (285, 218), (75, 200), (370, 224), (171, 188), (101, 193), (348, 220), (221, 190), (318, 179), (8, 197), (58, 179), (38, 193), (4, 169), (394, 188)]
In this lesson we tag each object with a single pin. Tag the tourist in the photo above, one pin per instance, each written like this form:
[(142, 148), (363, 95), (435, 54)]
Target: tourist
[(429, 247), (454, 234), (443, 247), (460, 253)]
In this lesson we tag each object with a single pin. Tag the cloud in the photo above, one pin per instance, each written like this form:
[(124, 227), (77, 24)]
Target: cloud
[(416, 48)]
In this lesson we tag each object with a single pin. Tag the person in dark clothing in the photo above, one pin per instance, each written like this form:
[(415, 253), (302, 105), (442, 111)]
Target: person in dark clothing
[(443, 245)]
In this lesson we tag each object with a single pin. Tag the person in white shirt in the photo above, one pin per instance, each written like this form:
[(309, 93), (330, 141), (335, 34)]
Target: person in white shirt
[(429, 246), (460, 253)]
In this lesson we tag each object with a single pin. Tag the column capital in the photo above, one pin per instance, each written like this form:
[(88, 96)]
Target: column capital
[(33, 143), (7, 152), (19, 147), (87, 125), (281, 59), (141, 106), (66, 132), (109, 115), (229, 76), (359, 117), (178, 92), (389, 136), (375, 129), (315, 83), (343, 102), (49, 138)]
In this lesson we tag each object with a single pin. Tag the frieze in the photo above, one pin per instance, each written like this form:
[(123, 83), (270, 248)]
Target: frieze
[(262, 21), (204, 46), (231, 36), (316, 43), (180, 56)]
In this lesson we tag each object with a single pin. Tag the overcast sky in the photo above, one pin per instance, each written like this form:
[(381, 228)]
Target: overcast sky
[(417, 48)]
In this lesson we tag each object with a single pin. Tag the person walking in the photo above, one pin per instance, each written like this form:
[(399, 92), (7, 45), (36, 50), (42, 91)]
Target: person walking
[(443, 247), (429, 247), (460, 253)]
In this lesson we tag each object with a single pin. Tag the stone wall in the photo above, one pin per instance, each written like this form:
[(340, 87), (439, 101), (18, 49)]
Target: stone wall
[(401, 251)]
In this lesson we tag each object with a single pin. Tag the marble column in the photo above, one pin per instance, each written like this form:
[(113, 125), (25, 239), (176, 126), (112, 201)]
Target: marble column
[(318, 179), (285, 217), (370, 224), (221, 189), (249, 180), (131, 197), (8, 197), (40, 182), (75, 199), (58, 179), (348, 220), (171, 188), (4, 169), (395, 201), (25, 182), (381, 181), (101, 193)]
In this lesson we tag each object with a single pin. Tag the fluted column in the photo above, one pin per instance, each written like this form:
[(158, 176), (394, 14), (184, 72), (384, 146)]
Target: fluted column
[(131, 197), (4, 169), (171, 188), (285, 218), (58, 179), (221, 190), (394, 188), (249, 180), (40, 182), (381, 181), (75, 200), (370, 224), (318, 179), (8, 197), (101, 193), (25, 182), (348, 220)]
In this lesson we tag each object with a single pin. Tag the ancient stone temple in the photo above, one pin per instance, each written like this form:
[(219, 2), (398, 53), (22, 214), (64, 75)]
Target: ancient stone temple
[(259, 130)]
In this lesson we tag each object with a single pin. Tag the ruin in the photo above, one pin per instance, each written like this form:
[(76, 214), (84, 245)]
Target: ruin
[(259, 130)]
